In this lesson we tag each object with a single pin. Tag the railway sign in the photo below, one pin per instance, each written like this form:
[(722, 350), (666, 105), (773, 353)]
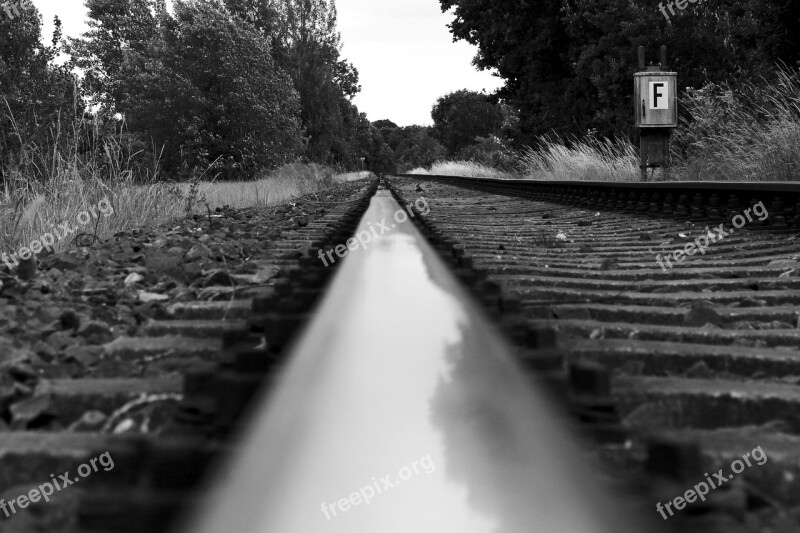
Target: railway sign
[(656, 104), (655, 111)]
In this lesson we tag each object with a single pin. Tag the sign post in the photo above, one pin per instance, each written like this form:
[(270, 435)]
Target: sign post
[(655, 111)]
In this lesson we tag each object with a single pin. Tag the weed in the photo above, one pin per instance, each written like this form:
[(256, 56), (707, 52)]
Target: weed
[(468, 169), (547, 240)]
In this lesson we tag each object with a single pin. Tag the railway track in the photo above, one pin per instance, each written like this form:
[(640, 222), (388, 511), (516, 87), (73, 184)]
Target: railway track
[(126, 366), (324, 345), (679, 368)]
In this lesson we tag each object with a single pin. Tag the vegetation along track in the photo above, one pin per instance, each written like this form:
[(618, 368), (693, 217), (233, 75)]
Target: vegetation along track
[(147, 348), (678, 372)]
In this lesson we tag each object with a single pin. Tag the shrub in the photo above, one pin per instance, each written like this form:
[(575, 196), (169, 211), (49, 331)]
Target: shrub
[(746, 133), (464, 169), (589, 158), (491, 152)]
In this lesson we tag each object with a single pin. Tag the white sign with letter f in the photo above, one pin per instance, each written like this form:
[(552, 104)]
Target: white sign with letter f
[(659, 95)]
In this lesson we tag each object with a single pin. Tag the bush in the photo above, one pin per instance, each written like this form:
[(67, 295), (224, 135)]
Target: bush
[(419, 149), (38, 100), (589, 158), (746, 133), (491, 152), (464, 169)]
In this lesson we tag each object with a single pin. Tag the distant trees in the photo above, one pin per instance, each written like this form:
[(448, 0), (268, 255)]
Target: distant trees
[(209, 93), (240, 84), (419, 147), (567, 64), (409, 147), (467, 126), (493, 152), (462, 116), (306, 44)]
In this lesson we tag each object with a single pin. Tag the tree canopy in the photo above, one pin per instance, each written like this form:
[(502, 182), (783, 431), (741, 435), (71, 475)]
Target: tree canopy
[(462, 116), (567, 64), (237, 84)]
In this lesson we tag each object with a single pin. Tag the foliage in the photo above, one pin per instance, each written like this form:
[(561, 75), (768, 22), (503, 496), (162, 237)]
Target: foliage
[(492, 152), (467, 169), (588, 158), (748, 132), (567, 64), (390, 132), (38, 100), (203, 91), (117, 28), (227, 86), (462, 116), (380, 158), (306, 44), (417, 147)]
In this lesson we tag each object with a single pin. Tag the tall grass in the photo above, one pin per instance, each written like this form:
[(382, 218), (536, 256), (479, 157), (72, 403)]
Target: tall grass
[(45, 186), (746, 133), (354, 176), (468, 169), (284, 184), (587, 159), (584, 159)]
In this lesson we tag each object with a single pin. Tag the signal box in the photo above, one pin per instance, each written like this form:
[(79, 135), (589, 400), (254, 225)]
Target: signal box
[(655, 108), (655, 99)]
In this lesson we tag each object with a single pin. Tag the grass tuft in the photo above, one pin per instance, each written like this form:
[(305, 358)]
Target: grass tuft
[(467, 169), (585, 159), (281, 185), (747, 133), (45, 186)]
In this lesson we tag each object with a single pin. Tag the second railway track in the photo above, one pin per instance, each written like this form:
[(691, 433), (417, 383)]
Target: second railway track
[(679, 370)]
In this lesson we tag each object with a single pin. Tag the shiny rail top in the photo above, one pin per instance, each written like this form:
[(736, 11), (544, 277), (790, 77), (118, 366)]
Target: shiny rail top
[(402, 410)]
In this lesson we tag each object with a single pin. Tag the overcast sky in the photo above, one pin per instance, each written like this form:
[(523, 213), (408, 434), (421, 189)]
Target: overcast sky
[(402, 49)]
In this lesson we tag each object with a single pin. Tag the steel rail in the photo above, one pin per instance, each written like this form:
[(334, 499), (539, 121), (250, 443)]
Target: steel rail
[(401, 409), (779, 187), (713, 201)]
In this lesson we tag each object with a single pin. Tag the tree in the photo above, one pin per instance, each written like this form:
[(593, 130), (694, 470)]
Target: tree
[(38, 100), (207, 90), (117, 27), (462, 116), (306, 44), (492, 152), (419, 148), (567, 64), (526, 42)]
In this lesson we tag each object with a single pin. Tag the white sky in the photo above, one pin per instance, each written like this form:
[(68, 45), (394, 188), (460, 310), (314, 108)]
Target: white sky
[(402, 49)]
